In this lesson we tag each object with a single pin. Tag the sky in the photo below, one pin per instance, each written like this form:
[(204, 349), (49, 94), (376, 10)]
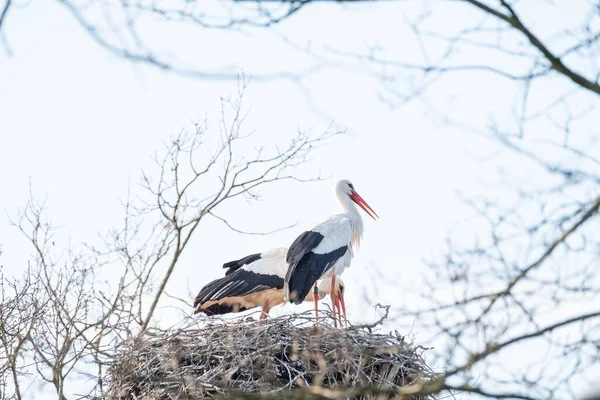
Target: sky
[(81, 129), (79, 124)]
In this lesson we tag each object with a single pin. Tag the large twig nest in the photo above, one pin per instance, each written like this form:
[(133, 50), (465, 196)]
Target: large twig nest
[(267, 359)]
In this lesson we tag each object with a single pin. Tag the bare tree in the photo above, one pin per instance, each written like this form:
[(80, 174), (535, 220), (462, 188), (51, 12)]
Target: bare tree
[(527, 276), (20, 311), (61, 321)]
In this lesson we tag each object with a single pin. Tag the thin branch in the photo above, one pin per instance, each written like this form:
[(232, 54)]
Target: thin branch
[(556, 62), (4, 12), (251, 233), (585, 217), (497, 347)]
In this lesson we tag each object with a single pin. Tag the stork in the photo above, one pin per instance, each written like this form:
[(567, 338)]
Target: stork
[(257, 281), (326, 250)]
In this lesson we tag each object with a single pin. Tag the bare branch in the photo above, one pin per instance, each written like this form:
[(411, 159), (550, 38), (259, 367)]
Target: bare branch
[(250, 233), (4, 12), (513, 19)]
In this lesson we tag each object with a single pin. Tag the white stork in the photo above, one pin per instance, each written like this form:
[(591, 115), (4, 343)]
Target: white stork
[(256, 281), (326, 250)]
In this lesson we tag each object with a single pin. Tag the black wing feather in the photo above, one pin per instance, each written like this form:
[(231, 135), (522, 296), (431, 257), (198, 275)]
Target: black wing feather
[(308, 270), (237, 283), (237, 264), (303, 244)]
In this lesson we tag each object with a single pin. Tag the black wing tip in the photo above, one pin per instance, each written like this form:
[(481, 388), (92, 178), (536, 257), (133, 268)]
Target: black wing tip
[(230, 264), (199, 310), (207, 291), (220, 309), (234, 265)]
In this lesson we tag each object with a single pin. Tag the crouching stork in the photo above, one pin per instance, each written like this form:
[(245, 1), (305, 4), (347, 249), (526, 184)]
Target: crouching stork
[(257, 281), (326, 250)]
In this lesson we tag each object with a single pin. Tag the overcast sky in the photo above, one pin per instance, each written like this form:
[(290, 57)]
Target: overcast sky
[(80, 124)]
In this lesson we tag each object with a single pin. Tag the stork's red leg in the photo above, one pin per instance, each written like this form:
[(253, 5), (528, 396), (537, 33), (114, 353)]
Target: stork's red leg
[(316, 298), (333, 299)]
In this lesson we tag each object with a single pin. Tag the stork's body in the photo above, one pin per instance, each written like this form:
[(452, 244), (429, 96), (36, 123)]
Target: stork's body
[(327, 250), (255, 281)]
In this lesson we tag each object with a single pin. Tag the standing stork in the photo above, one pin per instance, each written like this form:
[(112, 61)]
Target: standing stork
[(257, 281), (327, 249)]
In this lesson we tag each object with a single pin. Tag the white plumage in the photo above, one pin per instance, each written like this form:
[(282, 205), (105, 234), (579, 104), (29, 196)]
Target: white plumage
[(337, 232), (271, 262)]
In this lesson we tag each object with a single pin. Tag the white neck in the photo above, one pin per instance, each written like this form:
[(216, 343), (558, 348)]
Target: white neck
[(324, 288), (353, 214)]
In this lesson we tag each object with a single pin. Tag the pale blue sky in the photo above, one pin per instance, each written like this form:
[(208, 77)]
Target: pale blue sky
[(80, 124)]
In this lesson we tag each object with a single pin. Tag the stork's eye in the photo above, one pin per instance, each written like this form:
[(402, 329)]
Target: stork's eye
[(351, 186)]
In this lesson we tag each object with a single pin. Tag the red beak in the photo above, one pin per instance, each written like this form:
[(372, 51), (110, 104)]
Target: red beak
[(341, 308), (363, 204)]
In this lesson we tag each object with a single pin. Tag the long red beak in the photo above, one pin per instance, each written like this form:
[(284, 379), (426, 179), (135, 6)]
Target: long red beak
[(363, 204), (341, 308)]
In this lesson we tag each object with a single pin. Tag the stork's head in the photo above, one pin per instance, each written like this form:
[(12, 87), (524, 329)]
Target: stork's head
[(338, 291), (324, 288), (345, 188)]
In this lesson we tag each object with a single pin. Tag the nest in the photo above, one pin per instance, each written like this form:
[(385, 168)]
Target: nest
[(284, 357)]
